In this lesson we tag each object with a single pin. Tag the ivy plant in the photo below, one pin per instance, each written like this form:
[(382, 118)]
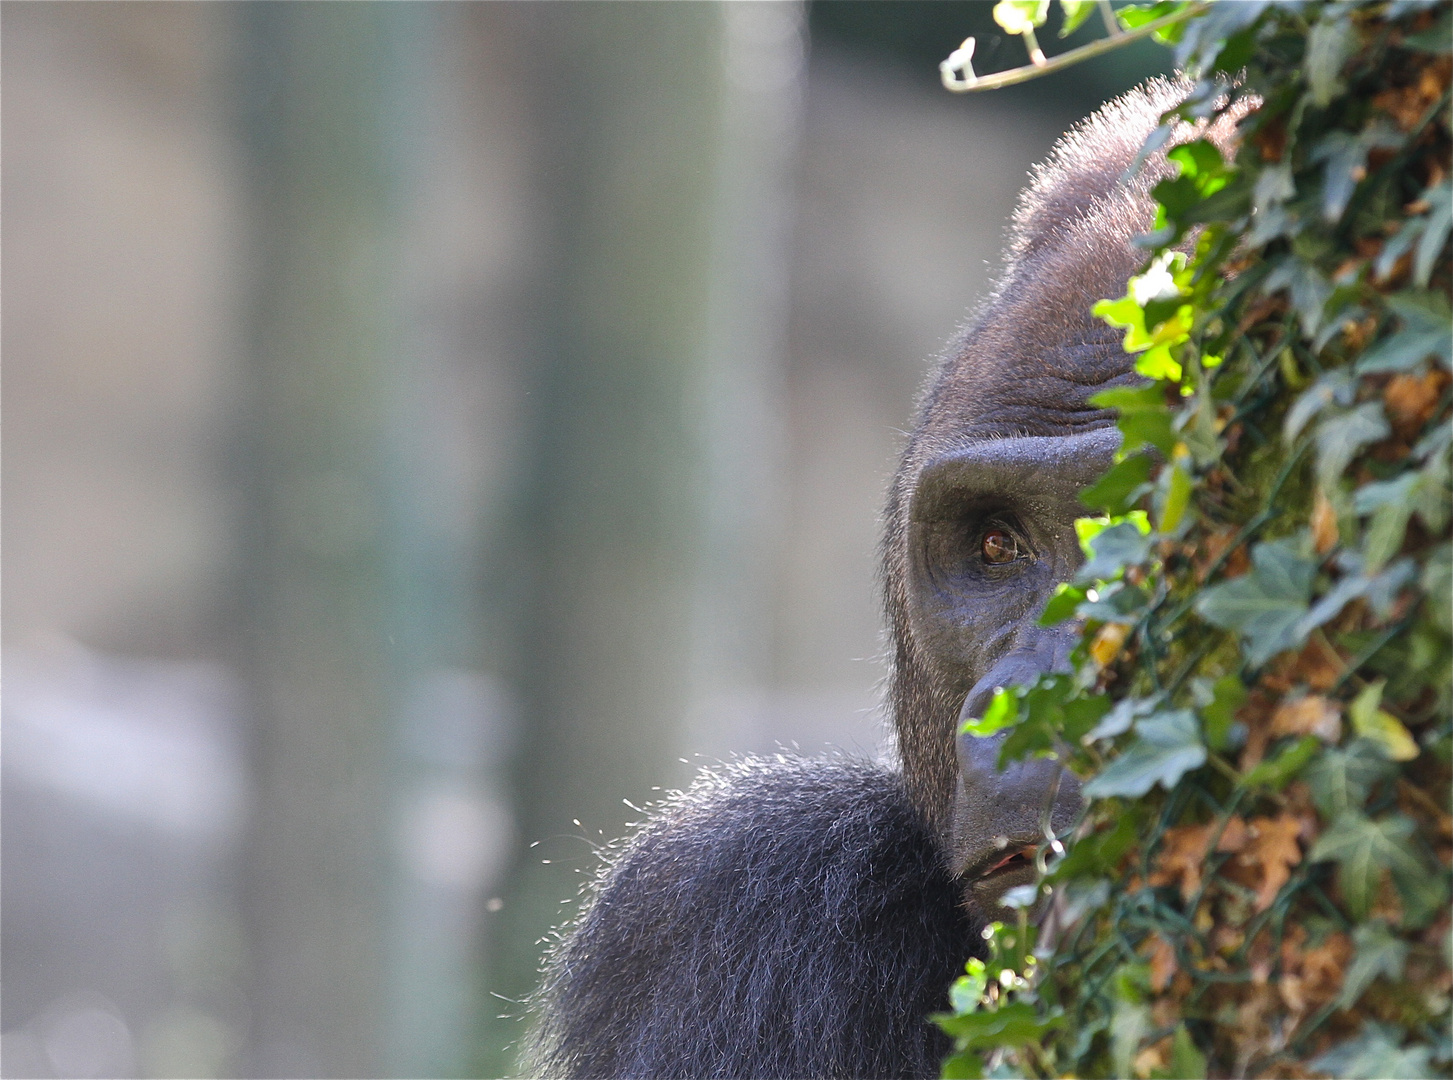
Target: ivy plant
[(1261, 705)]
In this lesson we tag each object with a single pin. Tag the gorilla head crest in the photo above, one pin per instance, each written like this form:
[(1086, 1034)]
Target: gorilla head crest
[(980, 517)]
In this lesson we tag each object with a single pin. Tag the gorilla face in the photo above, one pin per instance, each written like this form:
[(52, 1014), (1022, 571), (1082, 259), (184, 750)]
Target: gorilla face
[(980, 520), (990, 534)]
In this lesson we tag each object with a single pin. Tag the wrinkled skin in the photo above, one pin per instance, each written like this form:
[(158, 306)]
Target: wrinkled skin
[(977, 621)]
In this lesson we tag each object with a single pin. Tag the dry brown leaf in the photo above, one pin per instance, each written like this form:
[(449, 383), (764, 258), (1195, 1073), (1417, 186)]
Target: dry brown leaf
[(1274, 850), (1211, 548), (1108, 643), (1290, 989), (1181, 857), (1407, 104), (1411, 399), (1234, 836), (1324, 524), (1152, 1058), (1310, 715), (1163, 965), (1323, 968), (1256, 715)]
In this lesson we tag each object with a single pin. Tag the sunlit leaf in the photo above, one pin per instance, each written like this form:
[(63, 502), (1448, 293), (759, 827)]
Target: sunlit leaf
[(1019, 16), (1177, 498), (1380, 727), (1075, 13), (1010, 1025), (1003, 712), (1144, 417)]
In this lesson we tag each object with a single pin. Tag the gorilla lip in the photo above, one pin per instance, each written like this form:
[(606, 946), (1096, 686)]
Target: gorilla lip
[(1016, 860)]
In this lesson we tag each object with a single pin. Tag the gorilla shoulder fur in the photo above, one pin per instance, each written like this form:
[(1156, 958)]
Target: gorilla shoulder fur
[(783, 918), (790, 917)]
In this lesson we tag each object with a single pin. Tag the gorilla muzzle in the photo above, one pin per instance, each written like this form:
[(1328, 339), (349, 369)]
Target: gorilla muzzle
[(1001, 816)]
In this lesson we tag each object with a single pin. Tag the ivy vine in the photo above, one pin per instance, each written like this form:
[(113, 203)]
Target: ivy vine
[(1261, 704)]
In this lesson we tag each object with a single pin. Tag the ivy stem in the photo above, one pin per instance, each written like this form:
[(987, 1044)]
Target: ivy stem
[(1107, 13), (950, 71)]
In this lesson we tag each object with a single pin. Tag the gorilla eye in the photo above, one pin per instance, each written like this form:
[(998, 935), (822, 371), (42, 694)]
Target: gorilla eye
[(1000, 546)]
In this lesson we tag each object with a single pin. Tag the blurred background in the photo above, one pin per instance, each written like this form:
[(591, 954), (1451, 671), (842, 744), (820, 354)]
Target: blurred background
[(429, 432)]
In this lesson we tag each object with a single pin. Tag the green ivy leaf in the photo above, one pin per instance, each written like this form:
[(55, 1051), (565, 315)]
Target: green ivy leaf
[(1380, 727), (1265, 605), (1144, 417), (1363, 848), (1120, 487), (1003, 712), (1437, 583), (1339, 438), (1376, 1054), (1201, 161), (1277, 771), (964, 1065), (1343, 155), (1186, 1062), (1379, 952), (1062, 604), (1343, 777), (1307, 286), (1329, 45), (1178, 488), (1168, 745), (1219, 714), (1336, 387), (1157, 363), (1098, 853), (1112, 550), (1205, 40), (1435, 231), (1013, 1024), (968, 990), (1075, 13), (1019, 16), (1426, 331)]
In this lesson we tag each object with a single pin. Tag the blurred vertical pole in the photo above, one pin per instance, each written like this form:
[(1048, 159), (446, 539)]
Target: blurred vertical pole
[(740, 402), (627, 97), (654, 431), (325, 95)]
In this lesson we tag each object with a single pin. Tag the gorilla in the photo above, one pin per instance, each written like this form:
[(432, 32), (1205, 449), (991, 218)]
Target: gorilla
[(791, 917)]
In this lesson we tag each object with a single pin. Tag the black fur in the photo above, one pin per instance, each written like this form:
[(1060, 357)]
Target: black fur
[(783, 918)]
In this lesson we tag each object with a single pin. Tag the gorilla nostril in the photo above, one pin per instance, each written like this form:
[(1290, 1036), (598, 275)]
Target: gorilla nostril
[(1018, 668), (1051, 652)]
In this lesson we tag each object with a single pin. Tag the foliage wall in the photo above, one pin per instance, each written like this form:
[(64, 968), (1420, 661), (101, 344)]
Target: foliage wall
[(1260, 705)]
